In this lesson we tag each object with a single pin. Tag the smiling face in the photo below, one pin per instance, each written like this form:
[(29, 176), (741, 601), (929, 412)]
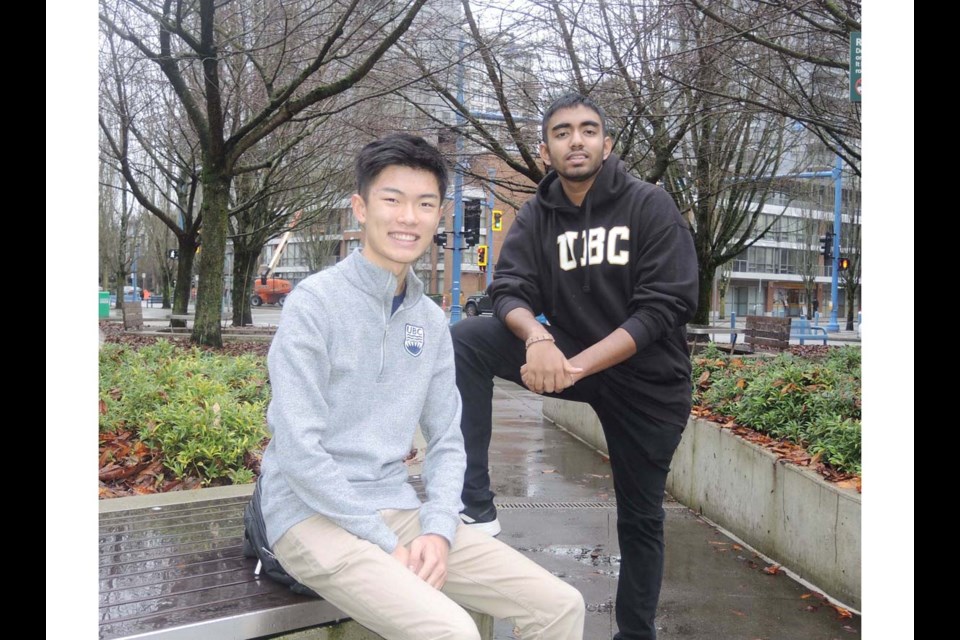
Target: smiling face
[(400, 214), (575, 146)]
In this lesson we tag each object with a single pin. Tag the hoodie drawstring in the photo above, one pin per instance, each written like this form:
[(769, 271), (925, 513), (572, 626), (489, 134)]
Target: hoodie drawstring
[(584, 238)]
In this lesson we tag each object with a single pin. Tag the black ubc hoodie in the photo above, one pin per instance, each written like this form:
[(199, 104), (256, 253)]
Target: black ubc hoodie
[(624, 258)]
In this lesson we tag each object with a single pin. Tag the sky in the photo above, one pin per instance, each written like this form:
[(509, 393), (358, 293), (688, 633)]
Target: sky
[(71, 324)]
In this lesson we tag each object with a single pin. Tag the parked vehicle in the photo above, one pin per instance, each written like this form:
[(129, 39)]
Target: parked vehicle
[(478, 304), (270, 291)]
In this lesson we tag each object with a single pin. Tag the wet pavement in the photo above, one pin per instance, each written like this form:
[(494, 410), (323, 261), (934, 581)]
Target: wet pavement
[(556, 505)]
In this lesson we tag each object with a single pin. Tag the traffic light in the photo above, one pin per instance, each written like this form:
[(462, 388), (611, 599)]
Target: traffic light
[(843, 264), (482, 255), (173, 254), (497, 220), (471, 222), (440, 240), (826, 246)]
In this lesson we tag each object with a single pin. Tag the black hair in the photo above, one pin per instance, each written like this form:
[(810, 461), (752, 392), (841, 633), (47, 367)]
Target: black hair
[(399, 149), (568, 101)]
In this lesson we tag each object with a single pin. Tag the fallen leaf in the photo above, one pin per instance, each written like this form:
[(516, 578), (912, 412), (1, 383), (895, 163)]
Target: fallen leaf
[(703, 378), (772, 570), (741, 383), (737, 547), (849, 483), (549, 471), (805, 596), (739, 613), (103, 408), (843, 613)]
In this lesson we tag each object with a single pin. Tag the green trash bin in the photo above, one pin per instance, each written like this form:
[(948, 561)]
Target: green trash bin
[(104, 304)]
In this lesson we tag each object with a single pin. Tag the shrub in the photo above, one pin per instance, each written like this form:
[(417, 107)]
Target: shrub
[(813, 403), (204, 412)]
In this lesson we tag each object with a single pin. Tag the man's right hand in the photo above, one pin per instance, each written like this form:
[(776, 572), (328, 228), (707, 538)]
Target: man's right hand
[(547, 370)]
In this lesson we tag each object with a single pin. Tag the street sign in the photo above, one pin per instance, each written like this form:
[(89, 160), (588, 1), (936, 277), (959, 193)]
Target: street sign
[(856, 56)]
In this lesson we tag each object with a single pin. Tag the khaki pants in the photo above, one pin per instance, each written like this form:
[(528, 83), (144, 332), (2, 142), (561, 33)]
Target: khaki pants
[(483, 574)]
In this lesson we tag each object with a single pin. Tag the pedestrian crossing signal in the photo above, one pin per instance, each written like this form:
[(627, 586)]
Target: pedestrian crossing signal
[(482, 255), (843, 264), (497, 220)]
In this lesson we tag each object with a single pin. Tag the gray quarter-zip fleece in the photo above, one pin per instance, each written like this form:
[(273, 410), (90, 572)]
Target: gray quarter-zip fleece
[(350, 383)]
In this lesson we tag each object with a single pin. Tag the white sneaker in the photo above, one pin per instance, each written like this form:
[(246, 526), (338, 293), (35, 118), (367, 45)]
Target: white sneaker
[(484, 520)]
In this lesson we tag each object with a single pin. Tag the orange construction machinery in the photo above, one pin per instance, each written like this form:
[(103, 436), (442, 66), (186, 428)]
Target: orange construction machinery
[(267, 290)]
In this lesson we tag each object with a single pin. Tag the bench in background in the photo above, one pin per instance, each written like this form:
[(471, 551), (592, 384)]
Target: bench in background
[(767, 334), (803, 330)]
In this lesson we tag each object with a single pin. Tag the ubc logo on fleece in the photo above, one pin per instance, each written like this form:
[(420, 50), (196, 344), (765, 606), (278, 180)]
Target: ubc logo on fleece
[(413, 339), (601, 244)]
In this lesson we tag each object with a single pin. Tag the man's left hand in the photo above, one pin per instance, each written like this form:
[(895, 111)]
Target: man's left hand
[(428, 559)]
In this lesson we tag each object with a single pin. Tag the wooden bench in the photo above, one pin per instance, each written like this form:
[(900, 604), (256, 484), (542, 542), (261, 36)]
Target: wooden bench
[(802, 330), (172, 568), (767, 334)]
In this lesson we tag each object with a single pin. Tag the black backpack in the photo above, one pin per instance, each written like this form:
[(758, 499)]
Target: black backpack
[(255, 545)]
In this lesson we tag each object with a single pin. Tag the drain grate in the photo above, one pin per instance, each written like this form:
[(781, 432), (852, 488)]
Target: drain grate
[(556, 505)]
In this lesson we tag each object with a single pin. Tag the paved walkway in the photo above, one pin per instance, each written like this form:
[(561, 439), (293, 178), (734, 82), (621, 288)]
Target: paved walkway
[(557, 506)]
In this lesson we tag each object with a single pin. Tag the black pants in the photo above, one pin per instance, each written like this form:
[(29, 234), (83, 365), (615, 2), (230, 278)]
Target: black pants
[(485, 348)]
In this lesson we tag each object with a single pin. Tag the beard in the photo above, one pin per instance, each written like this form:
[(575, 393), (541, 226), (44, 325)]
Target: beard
[(581, 174)]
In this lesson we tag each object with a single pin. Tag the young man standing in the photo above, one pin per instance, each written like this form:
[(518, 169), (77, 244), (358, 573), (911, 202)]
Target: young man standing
[(610, 262), (361, 357)]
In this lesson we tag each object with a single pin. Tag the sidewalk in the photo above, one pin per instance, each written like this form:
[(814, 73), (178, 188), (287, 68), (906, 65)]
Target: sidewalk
[(556, 505)]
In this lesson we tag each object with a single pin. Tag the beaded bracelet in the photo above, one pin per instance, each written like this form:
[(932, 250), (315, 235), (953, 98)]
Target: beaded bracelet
[(538, 338)]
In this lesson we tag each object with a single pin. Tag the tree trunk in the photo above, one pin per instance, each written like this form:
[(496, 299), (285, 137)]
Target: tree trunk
[(244, 271), (186, 248), (121, 281), (165, 279), (702, 316), (206, 323), (851, 301)]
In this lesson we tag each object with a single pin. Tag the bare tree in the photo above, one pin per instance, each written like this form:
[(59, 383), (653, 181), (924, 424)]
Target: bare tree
[(159, 241), (293, 193), (677, 101), (805, 75), (143, 139), (296, 54), (726, 166)]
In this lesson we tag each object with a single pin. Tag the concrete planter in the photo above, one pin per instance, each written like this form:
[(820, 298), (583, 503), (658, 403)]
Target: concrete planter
[(786, 512)]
